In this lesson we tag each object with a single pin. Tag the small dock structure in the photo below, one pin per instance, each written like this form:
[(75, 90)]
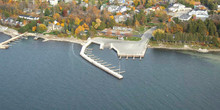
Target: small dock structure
[(97, 62)]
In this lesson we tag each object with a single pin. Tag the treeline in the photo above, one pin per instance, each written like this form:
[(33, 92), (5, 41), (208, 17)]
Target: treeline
[(198, 31), (32, 26), (207, 27), (186, 38), (211, 4)]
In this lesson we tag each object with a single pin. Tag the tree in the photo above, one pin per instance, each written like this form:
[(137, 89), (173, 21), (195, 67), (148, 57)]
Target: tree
[(34, 28), (41, 28), (102, 26), (79, 29), (47, 12), (64, 13), (77, 21), (56, 16)]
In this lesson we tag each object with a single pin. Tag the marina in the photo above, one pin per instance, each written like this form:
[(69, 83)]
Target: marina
[(97, 62)]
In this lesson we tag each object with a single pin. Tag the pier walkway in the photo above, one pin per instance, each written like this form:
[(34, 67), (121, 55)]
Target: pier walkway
[(99, 63), (4, 44)]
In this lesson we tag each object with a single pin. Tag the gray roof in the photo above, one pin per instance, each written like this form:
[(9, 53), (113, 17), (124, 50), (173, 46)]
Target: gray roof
[(185, 16)]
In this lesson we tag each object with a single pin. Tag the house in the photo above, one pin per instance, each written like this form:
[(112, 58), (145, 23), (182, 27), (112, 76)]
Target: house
[(104, 6), (67, 1), (122, 28), (119, 1), (122, 9), (185, 17), (53, 26), (170, 1), (27, 10), (84, 4), (199, 14), (53, 2), (218, 8), (28, 17), (113, 8), (38, 11), (177, 7), (120, 18)]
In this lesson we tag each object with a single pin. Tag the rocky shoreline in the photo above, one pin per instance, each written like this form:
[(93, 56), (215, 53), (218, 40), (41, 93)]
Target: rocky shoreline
[(12, 33)]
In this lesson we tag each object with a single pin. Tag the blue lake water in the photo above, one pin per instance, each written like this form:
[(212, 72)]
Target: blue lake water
[(38, 75)]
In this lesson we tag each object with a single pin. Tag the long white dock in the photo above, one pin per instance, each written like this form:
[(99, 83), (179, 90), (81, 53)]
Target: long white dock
[(96, 63), (4, 44)]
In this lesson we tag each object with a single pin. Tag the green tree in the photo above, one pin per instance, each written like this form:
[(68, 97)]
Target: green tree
[(47, 12)]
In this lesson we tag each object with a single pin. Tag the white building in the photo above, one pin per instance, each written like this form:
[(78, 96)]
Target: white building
[(28, 17), (203, 14), (218, 7), (113, 8), (53, 2), (179, 7), (122, 9), (119, 1), (67, 1)]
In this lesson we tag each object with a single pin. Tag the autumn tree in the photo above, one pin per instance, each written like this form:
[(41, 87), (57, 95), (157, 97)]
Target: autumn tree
[(41, 28), (56, 16)]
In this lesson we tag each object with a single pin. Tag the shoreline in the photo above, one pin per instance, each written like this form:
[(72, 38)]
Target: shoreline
[(185, 49), (12, 33)]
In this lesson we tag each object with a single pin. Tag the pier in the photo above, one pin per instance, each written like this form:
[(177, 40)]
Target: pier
[(123, 48), (4, 44), (97, 62)]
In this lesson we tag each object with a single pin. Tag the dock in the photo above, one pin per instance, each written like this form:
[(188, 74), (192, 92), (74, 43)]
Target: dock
[(4, 44), (97, 62), (123, 48)]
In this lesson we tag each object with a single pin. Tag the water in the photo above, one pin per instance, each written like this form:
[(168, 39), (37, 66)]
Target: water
[(38, 75), (3, 37)]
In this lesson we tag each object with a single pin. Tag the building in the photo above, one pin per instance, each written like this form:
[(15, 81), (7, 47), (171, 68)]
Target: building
[(218, 8), (53, 2), (28, 17), (118, 1), (67, 1), (200, 14), (177, 7), (120, 18), (113, 8)]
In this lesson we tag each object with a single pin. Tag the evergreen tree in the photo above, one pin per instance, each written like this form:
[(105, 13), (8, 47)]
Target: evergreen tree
[(47, 12)]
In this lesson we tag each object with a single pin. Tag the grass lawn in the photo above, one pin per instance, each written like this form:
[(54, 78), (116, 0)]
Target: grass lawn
[(133, 38)]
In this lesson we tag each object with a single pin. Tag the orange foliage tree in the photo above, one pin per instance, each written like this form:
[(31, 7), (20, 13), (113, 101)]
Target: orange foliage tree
[(79, 29)]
